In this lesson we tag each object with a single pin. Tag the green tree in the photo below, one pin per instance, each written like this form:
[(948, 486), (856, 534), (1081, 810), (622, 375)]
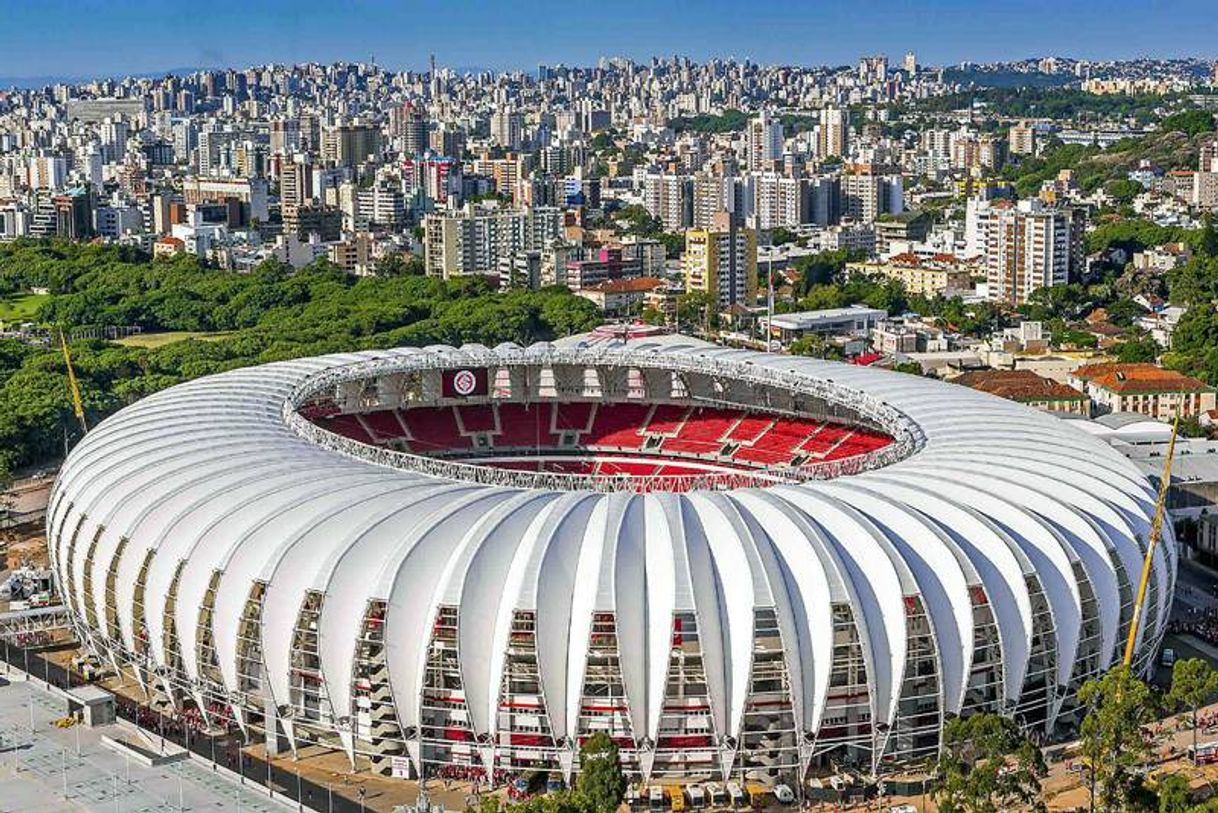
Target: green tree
[(1189, 122), (781, 236), (1193, 684), (396, 265), (1113, 742), (988, 765), (563, 802), (696, 310), (1144, 349), (1123, 189), (1174, 794), (654, 316), (811, 345), (820, 269), (601, 782)]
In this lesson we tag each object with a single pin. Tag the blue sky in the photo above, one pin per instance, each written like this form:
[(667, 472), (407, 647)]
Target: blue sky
[(88, 37)]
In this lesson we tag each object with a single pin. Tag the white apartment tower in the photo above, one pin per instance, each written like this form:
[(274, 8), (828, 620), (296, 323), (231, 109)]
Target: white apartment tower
[(475, 241), (1028, 246), (778, 201), (834, 134), (764, 142), (668, 197), (507, 129)]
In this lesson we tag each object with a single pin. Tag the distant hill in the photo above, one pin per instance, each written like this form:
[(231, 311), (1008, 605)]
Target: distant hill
[(1006, 79)]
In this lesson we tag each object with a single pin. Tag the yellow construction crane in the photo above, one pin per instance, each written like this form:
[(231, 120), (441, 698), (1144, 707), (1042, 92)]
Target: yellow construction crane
[(1156, 530), (78, 405)]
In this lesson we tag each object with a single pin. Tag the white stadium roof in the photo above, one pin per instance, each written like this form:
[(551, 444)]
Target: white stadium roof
[(210, 479)]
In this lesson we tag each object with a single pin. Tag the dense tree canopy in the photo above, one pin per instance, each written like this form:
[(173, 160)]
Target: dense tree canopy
[(988, 765), (269, 314)]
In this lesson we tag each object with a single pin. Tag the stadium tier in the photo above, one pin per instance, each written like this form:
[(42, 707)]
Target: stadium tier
[(466, 561), (667, 431)]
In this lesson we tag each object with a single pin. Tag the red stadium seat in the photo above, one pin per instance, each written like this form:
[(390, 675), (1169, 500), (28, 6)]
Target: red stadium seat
[(434, 429), (573, 417), (524, 426), (349, 427), (384, 424), (749, 428), (665, 419), (617, 425), (476, 418)]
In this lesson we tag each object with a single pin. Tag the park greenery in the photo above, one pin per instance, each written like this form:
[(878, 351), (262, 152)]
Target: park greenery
[(1058, 104), (270, 314), (600, 787), (988, 765)]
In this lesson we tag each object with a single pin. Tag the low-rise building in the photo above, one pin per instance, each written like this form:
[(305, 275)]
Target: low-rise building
[(855, 321), (939, 275), (1026, 387), (1146, 389), (622, 297), (608, 264)]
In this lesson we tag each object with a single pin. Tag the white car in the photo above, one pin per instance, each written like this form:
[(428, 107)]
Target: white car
[(784, 794), (903, 809)]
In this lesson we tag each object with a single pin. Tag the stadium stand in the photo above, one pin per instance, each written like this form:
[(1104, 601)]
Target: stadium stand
[(716, 435)]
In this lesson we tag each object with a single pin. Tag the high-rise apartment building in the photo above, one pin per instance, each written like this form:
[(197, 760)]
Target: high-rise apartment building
[(474, 241), (285, 136), (1023, 139), (779, 200), (410, 123), (867, 193), (48, 172), (295, 184), (507, 129), (873, 68), (764, 142), (910, 63), (669, 197), (833, 137), (348, 145), (722, 261), (712, 194), (1027, 246)]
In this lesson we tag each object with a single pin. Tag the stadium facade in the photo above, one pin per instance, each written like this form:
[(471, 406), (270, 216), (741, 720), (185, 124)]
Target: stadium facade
[(734, 563)]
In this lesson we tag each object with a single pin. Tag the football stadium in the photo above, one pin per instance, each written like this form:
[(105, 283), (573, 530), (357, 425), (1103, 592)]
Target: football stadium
[(466, 561)]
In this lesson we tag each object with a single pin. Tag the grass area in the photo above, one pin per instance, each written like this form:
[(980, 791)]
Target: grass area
[(21, 308), (154, 340)]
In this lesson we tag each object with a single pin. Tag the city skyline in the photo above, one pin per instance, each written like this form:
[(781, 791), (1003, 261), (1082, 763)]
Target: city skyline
[(84, 36)]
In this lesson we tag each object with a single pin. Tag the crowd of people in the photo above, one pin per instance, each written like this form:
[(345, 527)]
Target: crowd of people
[(1196, 621)]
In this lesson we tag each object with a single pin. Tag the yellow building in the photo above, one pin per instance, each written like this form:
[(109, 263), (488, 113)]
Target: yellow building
[(920, 277), (722, 260)]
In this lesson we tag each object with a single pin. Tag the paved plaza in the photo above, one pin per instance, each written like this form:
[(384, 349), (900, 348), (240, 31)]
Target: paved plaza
[(49, 769)]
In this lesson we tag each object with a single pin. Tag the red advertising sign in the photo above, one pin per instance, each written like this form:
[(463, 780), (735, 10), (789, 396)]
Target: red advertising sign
[(464, 383)]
